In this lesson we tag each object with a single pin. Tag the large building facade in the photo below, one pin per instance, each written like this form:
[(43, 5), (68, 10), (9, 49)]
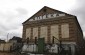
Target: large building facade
[(48, 23)]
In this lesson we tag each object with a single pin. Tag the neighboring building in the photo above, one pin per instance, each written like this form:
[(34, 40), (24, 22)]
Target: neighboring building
[(16, 40), (17, 43), (2, 41), (49, 22)]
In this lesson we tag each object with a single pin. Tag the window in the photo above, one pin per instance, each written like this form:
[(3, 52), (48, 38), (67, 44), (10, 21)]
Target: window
[(28, 32), (65, 30), (35, 32)]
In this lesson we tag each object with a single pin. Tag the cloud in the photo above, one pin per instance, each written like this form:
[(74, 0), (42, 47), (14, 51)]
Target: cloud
[(79, 11), (14, 12), (11, 21), (21, 11)]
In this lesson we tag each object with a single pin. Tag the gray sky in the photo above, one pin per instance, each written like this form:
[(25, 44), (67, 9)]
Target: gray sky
[(14, 12)]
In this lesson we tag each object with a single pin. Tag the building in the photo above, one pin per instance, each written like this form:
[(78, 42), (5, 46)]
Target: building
[(2, 41), (16, 39), (48, 23)]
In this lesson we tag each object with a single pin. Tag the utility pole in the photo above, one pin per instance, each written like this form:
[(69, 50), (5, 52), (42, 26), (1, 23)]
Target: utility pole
[(7, 36)]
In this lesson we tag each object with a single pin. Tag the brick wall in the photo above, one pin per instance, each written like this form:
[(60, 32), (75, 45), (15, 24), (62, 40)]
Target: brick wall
[(59, 21)]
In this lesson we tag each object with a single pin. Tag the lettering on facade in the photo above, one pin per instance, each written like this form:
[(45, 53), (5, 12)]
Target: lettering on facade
[(53, 15)]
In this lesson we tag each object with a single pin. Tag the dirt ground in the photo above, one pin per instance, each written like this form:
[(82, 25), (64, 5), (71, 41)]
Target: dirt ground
[(7, 53)]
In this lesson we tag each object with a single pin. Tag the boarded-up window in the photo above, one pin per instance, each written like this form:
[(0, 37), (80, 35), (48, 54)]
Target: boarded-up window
[(65, 30), (43, 33), (35, 32), (54, 32), (28, 32)]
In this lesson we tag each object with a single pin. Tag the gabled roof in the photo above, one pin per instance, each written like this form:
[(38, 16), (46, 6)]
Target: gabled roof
[(43, 10)]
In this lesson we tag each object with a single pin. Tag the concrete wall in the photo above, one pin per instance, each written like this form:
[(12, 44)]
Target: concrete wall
[(29, 48), (1, 47), (50, 48), (5, 46)]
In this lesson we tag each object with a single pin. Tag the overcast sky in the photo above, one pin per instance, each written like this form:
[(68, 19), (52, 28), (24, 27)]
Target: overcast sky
[(14, 12)]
